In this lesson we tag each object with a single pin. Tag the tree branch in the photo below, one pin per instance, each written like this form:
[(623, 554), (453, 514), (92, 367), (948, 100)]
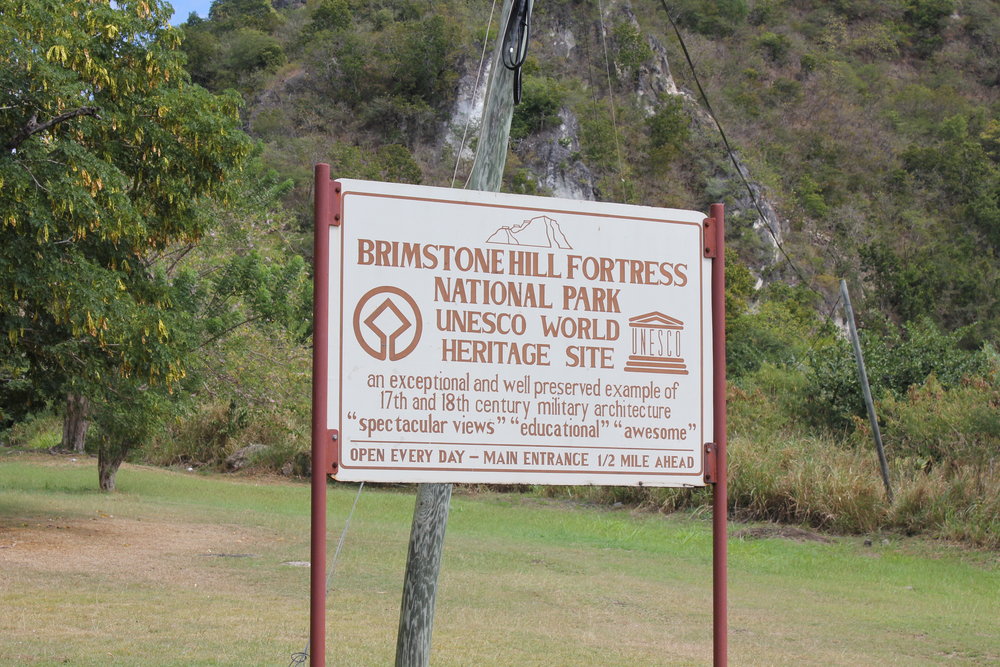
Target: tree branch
[(180, 256), (34, 127), (228, 331)]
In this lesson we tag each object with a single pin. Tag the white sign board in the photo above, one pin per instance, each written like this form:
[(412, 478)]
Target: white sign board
[(491, 338)]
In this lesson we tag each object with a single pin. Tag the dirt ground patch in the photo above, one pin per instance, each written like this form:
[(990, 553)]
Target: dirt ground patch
[(106, 544), (784, 532)]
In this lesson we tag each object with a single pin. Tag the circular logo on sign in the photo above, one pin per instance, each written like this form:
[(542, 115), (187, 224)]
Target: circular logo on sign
[(387, 323)]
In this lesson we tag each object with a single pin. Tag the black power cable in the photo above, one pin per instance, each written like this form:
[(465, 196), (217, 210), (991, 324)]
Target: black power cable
[(515, 41), (732, 156), (729, 149)]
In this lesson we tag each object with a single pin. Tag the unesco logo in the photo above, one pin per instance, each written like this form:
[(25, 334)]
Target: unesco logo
[(387, 323)]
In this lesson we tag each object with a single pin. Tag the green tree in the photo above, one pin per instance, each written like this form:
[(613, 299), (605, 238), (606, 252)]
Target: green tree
[(331, 15), (254, 14), (925, 20), (632, 49), (669, 131), (110, 155), (539, 108)]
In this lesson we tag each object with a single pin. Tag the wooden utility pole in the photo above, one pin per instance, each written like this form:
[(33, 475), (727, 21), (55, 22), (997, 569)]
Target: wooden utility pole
[(866, 389), (430, 516)]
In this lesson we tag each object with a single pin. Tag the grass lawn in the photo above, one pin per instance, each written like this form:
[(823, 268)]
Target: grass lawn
[(190, 569)]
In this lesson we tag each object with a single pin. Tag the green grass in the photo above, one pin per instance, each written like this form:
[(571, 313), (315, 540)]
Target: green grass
[(130, 579)]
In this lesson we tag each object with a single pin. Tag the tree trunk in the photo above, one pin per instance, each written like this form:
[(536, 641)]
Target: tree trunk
[(75, 423), (108, 463)]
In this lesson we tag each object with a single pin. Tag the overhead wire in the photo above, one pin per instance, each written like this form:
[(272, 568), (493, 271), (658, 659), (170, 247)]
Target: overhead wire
[(739, 170), (611, 97), (729, 148), (475, 89)]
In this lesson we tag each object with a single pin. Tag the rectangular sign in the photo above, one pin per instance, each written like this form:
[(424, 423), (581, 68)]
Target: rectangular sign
[(491, 338)]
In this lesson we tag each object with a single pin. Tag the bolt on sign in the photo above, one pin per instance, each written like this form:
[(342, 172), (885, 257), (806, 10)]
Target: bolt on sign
[(485, 337)]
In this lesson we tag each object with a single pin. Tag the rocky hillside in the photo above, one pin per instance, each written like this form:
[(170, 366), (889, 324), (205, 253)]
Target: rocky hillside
[(867, 131)]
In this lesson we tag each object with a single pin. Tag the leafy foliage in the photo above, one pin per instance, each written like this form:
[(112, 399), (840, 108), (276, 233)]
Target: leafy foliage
[(894, 362), (669, 131), (960, 425), (714, 17), (110, 154), (632, 51), (539, 108)]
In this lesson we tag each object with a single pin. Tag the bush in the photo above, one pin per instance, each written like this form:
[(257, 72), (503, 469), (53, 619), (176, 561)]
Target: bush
[(252, 50), (396, 165), (541, 101), (717, 18), (894, 362), (669, 131), (811, 198), (775, 46), (778, 331), (936, 425), (925, 19), (398, 119), (957, 504), (331, 15), (632, 51), (597, 135), (255, 14), (40, 431), (781, 470)]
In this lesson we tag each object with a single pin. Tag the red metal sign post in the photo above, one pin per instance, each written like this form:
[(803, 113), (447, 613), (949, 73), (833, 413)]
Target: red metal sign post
[(323, 212), (720, 623)]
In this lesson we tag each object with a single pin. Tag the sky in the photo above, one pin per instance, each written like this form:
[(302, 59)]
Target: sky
[(184, 7)]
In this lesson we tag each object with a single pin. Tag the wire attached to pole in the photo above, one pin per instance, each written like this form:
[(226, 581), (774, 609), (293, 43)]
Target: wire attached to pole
[(303, 655), (515, 41), (475, 89)]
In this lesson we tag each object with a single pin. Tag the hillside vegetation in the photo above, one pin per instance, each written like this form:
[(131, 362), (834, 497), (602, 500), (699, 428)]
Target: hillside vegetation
[(868, 132)]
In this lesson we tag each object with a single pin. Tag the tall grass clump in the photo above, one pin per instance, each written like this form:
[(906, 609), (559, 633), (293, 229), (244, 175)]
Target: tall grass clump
[(207, 435), (781, 469), (961, 504), (39, 431), (948, 445), (942, 444)]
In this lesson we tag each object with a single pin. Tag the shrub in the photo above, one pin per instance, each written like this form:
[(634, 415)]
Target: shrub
[(255, 14), (957, 504), (331, 15), (669, 131), (717, 18), (935, 425), (894, 362), (781, 470), (396, 165), (542, 99), (811, 198), (631, 48), (597, 135), (38, 431), (252, 50), (775, 46), (778, 331), (925, 19), (398, 119)]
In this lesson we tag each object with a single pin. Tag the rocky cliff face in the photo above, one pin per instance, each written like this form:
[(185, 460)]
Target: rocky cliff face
[(553, 157)]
